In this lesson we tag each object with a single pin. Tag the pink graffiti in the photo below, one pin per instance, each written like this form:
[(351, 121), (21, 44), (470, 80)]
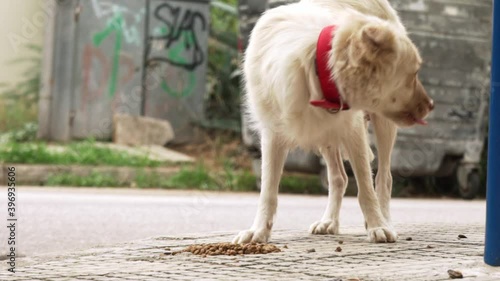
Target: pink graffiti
[(94, 60)]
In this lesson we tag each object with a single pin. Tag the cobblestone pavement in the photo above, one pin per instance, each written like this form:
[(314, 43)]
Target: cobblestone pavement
[(428, 255)]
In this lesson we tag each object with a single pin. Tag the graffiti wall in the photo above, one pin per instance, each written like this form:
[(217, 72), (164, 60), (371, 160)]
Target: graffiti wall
[(140, 57), (177, 58), (109, 66)]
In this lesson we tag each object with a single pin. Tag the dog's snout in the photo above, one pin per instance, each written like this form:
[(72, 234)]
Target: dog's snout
[(425, 106), (425, 103), (431, 104)]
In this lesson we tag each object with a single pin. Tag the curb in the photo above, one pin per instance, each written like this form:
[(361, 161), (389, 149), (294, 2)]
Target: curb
[(39, 174)]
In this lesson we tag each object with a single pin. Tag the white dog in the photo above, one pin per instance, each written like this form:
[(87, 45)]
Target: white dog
[(312, 69)]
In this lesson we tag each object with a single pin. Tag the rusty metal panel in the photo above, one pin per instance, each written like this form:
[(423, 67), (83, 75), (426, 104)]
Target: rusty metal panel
[(108, 65), (176, 64)]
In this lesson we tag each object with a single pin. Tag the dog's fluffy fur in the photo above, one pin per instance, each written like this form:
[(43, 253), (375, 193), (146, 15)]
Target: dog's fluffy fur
[(374, 65)]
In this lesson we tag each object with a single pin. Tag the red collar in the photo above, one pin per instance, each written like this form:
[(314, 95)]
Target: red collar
[(332, 101)]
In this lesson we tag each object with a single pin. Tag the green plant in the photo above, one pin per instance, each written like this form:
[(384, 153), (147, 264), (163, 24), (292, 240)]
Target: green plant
[(192, 177), (27, 89), (13, 116), (26, 133), (20, 98), (223, 81), (301, 184), (94, 179), (77, 153)]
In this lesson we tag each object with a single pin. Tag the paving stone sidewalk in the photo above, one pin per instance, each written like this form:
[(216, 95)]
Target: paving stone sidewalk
[(428, 255)]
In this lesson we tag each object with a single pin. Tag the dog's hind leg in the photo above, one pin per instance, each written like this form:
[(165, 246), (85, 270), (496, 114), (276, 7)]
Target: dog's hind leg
[(356, 144), (274, 153), (385, 133), (337, 184)]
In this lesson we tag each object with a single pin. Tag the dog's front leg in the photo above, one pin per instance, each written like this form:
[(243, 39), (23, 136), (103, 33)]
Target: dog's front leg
[(385, 133), (379, 230), (337, 184), (273, 159)]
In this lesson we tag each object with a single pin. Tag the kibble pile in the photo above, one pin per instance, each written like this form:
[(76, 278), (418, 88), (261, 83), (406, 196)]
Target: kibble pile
[(230, 249)]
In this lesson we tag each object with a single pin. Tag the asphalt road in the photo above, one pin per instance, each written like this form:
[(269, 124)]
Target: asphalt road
[(66, 219)]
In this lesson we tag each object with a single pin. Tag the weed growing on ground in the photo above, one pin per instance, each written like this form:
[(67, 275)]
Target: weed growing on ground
[(189, 177), (77, 153), (93, 180)]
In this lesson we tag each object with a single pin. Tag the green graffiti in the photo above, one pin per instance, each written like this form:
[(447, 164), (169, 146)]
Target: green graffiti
[(182, 92), (114, 25), (175, 54)]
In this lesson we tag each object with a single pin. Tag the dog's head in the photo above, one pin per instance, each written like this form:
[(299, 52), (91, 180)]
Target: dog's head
[(385, 63)]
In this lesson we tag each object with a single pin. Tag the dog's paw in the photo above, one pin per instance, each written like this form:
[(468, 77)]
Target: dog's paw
[(250, 235), (382, 235), (324, 227)]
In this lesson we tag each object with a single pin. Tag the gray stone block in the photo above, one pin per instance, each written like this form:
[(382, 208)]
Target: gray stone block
[(138, 130)]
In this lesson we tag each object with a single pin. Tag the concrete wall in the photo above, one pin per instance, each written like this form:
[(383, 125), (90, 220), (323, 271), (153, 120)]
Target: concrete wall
[(454, 38), (22, 22)]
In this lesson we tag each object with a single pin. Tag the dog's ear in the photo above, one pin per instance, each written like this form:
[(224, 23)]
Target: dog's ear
[(377, 37), (374, 44), (376, 40)]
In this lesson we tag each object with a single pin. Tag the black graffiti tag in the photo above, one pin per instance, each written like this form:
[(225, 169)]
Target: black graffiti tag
[(180, 23)]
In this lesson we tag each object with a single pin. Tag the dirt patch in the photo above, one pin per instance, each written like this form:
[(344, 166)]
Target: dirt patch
[(218, 149)]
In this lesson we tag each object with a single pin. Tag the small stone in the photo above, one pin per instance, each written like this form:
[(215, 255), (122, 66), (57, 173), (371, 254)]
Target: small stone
[(409, 239), (341, 242), (140, 130), (454, 274), (430, 247), (461, 236), (338, 249), (285, 247), (311, 250)]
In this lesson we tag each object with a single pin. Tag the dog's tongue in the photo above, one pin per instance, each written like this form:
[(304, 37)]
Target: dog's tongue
[(421, 121)]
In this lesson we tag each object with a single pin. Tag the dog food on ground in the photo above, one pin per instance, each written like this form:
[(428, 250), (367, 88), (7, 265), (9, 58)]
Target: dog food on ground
[(341, 242), (311, 250), (460, 236), (409, 239), (229, 249), (338, 249), (454, 274)]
